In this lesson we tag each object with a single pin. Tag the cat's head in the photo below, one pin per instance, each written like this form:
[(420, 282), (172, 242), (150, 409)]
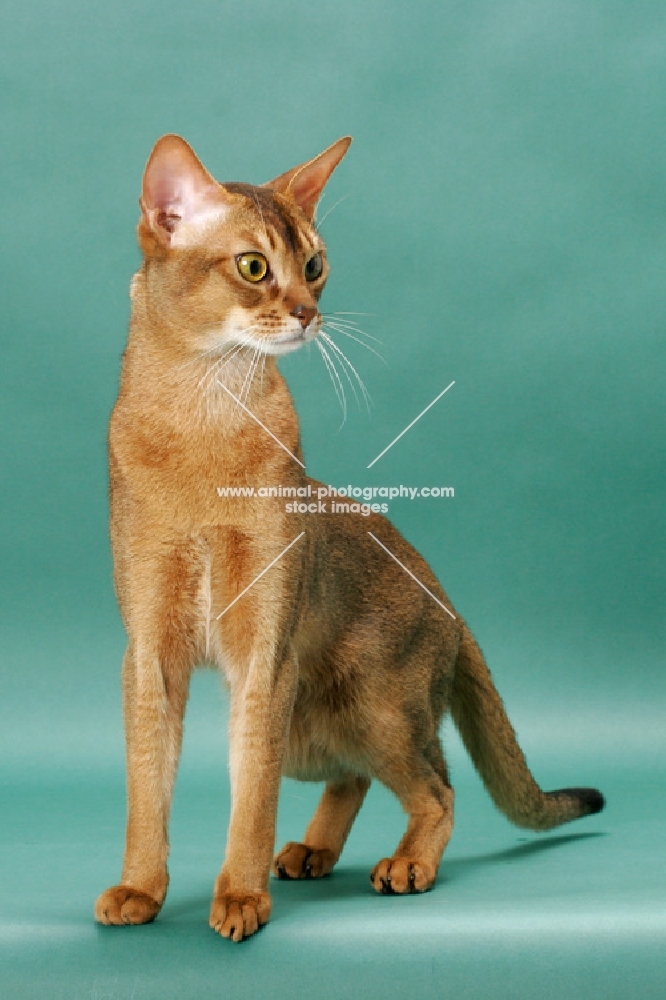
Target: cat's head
[(233, 263)]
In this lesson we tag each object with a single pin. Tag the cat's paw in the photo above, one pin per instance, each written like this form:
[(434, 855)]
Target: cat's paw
[(300, 861), (402, 875), (238, 915), (124, 905)]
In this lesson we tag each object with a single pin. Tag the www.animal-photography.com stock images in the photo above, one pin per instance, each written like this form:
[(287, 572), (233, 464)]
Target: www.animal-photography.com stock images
[(332, 521)]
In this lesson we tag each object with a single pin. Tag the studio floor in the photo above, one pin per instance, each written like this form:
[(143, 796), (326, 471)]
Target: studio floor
[(579, 912)]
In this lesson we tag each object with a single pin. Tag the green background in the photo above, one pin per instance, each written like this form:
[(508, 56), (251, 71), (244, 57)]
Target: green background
[(503, 226)]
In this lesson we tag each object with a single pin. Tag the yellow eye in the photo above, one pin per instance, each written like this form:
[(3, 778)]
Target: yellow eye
[(252, 266), (314, 267)]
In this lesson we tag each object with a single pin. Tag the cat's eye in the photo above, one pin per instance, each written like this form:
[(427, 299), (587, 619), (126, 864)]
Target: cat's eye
[(314, 267), (252, 266)]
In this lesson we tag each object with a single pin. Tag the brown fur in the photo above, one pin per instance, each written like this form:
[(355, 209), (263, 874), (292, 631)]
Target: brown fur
[(340, 668)]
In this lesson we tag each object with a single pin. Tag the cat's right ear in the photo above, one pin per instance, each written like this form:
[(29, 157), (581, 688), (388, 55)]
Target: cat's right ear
[(178, 196)]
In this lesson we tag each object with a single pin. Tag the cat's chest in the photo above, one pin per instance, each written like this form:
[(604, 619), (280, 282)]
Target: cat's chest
[(190, 480)]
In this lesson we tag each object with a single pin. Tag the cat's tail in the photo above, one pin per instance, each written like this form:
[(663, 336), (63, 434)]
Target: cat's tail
[(485, 729)]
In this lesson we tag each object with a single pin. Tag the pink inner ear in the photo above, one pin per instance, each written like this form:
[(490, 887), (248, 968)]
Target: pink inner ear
[(164, 189), (164, 195), (176, 186)]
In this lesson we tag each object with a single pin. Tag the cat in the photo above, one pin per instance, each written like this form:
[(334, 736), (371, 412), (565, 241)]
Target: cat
[(340, 668)]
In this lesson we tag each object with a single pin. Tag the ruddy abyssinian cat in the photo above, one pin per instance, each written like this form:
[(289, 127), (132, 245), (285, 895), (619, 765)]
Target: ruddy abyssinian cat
[(340, 668)]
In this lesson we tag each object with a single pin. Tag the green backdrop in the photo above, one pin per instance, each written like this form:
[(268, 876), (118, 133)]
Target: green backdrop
[(503, 226)]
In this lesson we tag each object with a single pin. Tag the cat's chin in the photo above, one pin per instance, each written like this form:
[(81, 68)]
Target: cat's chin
[(286, 346)]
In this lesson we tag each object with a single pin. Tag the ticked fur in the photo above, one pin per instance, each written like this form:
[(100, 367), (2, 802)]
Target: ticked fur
[(339, 668)]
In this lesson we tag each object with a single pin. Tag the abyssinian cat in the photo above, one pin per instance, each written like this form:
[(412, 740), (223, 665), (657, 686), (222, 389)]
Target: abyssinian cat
[(340, 668)]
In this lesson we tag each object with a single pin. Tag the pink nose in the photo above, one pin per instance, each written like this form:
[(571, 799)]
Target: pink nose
[(305, 314)]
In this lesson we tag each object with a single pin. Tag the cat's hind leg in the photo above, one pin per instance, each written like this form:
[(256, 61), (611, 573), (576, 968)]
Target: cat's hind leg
[(425, 794), (326, 835)]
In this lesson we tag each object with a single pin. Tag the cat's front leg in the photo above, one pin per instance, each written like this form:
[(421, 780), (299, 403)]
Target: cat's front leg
[(153, 709), (261, 706)]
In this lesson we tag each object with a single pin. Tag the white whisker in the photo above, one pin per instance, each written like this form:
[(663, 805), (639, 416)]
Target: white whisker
[(208, 371), (234, 353), (206, 386), (321, 221), (207, 381), (335, 379), (247, 381), (190, 361), (346, 333), (218, 361), (334, 347), (345, 360), (253, 371), (263, 367), (350, 325), (198, 357)]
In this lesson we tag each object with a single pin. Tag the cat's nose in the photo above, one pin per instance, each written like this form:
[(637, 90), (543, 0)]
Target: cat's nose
[(305, 314)]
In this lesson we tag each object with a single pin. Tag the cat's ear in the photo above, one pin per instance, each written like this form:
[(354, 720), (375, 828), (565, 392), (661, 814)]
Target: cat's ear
[(178, 196), (305, 183)]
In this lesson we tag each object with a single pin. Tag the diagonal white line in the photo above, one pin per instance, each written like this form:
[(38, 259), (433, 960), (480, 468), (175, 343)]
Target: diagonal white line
[(251, 414), (414, 578), (409, 425), (250, 585)]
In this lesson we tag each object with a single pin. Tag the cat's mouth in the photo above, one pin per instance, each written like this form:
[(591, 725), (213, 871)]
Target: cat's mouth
[(276, 342), (286, 343)]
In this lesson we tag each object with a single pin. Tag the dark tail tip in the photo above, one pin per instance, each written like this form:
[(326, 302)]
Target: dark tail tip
[(591, 800)]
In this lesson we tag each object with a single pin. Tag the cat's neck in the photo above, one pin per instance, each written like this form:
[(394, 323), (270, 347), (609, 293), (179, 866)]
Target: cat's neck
[(202, 408), (197, 389)]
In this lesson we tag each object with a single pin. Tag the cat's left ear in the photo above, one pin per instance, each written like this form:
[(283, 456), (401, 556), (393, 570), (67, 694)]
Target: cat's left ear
[(305, 183)]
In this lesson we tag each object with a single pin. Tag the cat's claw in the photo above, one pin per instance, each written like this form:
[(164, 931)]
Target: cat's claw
[(238, 915), (301, 861), (399, 876), (123, 905)]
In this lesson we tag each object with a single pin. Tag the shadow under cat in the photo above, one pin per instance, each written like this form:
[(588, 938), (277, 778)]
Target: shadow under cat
[(349, 882)]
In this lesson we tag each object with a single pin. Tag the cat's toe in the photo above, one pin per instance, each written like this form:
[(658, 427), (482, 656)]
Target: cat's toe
[(402, 875), (123, 904), (301, 861), (238, 915)]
